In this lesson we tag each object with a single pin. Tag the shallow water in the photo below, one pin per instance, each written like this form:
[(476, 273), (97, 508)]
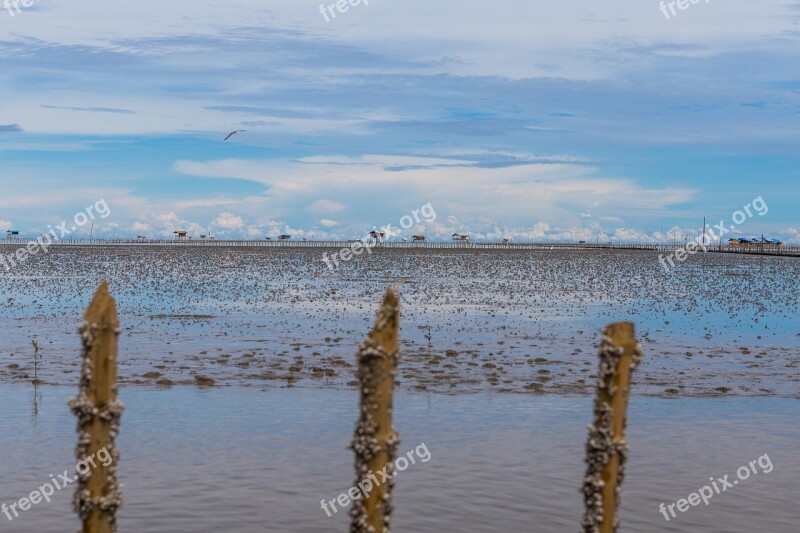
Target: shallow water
[(247, 460), (509, 321), (517, 330)]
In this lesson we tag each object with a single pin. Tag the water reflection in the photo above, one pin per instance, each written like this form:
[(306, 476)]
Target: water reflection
[(248, 460), (37, 397)]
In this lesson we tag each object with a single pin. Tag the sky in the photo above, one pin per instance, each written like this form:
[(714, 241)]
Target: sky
[(521, 119)]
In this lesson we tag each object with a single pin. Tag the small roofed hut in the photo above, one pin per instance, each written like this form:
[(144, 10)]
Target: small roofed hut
[(418, 238), (181, 234), (377, 236), (284, 237), (460, 237), (771, 242)]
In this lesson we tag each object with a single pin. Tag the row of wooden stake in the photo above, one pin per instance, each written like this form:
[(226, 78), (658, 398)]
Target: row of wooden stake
[(375, 441)]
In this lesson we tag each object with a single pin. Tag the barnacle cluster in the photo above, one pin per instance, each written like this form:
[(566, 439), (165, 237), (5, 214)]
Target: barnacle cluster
[(601, 445), (376, 366), (88, 412)]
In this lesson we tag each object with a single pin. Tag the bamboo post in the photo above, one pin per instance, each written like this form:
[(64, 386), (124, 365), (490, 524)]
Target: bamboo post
[(606, 449), (375, 441), (98, 410)]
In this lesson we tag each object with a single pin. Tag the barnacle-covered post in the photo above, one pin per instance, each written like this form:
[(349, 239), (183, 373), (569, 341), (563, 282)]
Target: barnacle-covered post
[(98, 410), (606, 449), (375, 441)]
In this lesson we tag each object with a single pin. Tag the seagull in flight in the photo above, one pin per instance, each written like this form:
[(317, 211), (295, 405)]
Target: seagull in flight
[(231, 134)]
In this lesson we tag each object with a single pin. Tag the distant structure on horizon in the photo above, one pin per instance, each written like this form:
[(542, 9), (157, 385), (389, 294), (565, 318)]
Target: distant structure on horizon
[(377, 236), (460, 237), (742, 241), (418, 238), (181, 234)]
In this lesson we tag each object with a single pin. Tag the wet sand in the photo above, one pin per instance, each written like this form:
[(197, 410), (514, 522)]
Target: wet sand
[(472, 321)]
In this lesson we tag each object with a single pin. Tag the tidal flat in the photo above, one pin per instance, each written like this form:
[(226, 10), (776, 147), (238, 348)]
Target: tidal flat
[(472, 320)]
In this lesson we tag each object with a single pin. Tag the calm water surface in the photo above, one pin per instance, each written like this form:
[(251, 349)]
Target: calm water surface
[(251, 460)]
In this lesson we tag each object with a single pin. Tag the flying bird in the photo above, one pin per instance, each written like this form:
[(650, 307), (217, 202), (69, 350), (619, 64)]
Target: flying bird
[(231, 134)]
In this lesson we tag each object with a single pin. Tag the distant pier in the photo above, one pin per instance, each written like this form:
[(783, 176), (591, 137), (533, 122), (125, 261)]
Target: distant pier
[(755, 249)]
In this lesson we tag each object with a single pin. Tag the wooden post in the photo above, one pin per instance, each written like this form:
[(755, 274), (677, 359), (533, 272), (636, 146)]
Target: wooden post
[(98, 410), (375, 441), (606, 449)]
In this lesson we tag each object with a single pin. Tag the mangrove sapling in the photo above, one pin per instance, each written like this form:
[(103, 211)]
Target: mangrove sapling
[(36, 359)]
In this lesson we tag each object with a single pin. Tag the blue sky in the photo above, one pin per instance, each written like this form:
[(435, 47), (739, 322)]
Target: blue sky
[(519, 118)]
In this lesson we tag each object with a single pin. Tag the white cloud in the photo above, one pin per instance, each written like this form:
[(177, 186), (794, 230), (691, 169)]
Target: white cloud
[(325, 222), (166, 223), (204, 202), (325, 207), (791, 235), (555, 192), (386, 161), (228, 221), (471, 38)]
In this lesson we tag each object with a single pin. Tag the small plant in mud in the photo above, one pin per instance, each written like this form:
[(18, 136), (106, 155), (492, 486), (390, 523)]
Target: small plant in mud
[(428, 335), (36, 358)]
